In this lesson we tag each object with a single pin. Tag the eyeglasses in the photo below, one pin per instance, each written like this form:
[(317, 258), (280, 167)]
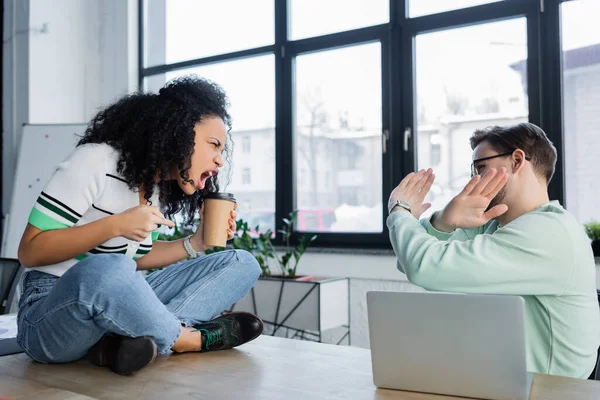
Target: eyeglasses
[(474, 169)]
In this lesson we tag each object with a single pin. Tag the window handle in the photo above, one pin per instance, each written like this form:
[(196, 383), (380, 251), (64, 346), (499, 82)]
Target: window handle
[(407, 136), (384, 139)]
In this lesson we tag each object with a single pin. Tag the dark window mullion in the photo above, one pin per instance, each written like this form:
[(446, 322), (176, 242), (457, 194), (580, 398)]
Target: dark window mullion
[(406, 135), (340, 39), (401, 87), (534, 72), (387, 104), (284, 149), (237, 55), (141, 44), (551, 91), (398, 11), (402, 97)]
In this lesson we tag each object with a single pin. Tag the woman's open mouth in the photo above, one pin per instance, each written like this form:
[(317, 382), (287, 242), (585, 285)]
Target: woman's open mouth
[(206, 176)]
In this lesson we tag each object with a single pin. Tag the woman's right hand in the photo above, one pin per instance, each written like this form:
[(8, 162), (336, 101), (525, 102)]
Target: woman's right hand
[(137, 223)]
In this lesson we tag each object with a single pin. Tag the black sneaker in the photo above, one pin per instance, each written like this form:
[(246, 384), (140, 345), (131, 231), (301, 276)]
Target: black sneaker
[(229, 330), (123, 355)]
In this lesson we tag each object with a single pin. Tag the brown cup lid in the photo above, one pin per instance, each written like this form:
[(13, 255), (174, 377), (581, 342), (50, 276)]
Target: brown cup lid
[(220, 196)]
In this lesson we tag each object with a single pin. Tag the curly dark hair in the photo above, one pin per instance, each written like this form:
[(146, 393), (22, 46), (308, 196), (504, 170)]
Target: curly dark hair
[(155, 133)]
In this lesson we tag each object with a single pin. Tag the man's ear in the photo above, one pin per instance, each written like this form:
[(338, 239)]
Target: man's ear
[(518, 160)]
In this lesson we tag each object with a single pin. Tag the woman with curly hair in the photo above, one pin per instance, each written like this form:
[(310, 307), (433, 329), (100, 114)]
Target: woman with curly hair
[(93, 227)]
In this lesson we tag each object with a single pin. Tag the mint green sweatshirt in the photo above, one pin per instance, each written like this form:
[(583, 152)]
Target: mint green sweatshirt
[(543, 256)]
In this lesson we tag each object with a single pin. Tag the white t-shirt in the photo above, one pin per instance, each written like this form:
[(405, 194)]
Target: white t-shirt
[(85, 188)]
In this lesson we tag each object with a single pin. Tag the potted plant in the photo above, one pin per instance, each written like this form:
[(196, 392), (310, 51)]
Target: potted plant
[(286, 258), (290, 305), (592, 229)]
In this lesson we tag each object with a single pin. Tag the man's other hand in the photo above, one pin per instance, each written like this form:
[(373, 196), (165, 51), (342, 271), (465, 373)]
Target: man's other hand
[(412, 190)]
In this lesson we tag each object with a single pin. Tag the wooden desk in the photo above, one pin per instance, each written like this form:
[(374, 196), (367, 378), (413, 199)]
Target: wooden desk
[(268, 368)]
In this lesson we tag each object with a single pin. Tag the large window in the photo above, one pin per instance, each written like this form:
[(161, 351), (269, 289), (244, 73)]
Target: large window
[(467, 78), (181, 30), (335, 101), (581, 106), (340, 135)]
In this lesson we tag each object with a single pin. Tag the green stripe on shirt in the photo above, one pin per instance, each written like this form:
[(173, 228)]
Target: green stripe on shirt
[(44, 222), (56, 210)]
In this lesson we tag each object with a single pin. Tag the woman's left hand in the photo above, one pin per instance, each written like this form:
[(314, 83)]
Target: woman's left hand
[(197, 238), (232, 223)]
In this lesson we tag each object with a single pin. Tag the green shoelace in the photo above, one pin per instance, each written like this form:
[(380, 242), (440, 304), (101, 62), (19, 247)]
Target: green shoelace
[(212, 338)]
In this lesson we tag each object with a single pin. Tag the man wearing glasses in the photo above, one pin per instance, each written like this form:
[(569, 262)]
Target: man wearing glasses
[(503, 235)]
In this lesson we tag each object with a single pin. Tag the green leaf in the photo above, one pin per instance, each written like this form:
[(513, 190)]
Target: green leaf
[(246, 240), (285, 260), (592, 229)]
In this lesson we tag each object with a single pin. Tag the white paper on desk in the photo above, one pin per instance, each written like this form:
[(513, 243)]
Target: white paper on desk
[(8, 326)]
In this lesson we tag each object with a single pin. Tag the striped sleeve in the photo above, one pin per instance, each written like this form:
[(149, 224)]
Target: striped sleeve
[(72, 189)]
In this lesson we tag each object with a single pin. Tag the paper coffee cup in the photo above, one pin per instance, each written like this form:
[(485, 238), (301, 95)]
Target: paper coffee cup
[(217, 212)]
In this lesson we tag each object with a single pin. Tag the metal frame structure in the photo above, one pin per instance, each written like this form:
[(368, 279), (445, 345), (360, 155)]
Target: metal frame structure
[(279, 322), (397, 39)]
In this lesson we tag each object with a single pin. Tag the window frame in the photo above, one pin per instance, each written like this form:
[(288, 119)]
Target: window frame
[(397, 38), (246, 176), (247, 144)]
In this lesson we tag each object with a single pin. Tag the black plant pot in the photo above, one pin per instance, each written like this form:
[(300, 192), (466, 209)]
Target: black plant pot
[(596, 247)]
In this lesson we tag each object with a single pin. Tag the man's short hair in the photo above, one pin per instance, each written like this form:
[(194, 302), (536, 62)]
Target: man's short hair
[(527, 137)]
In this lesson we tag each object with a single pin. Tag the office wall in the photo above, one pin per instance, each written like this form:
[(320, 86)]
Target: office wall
[(63, 60), (78, 58)]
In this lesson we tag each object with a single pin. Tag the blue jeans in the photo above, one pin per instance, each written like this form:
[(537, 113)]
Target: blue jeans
[(59, 319)]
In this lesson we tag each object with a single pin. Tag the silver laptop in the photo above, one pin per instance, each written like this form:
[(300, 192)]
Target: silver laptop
[(452, 344)]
